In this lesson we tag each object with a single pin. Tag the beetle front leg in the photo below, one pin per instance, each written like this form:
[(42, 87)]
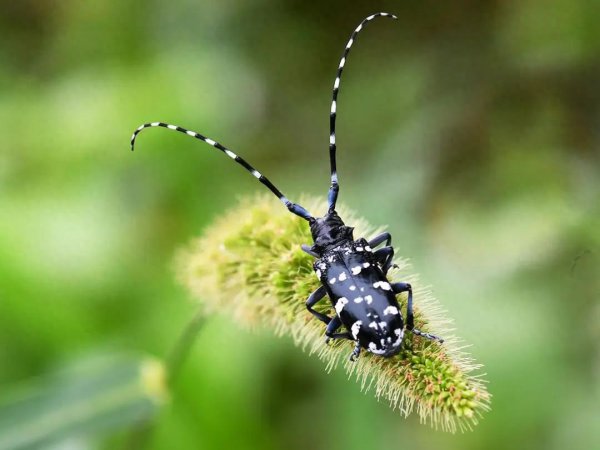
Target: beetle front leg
[(385, 257), (387, 237), (308, 249), (398, 288), (313, 299)]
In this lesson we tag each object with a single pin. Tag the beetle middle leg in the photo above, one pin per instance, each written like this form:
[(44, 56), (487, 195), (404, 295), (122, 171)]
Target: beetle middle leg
[(313, 299), (398, 288)]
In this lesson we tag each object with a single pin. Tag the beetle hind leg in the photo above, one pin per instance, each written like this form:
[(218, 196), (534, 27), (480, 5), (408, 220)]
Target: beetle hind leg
[(315, 298), (410, 316), (334, 325), (355, 353)]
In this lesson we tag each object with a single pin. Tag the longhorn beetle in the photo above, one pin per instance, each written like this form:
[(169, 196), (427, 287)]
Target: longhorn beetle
[(352, 274)]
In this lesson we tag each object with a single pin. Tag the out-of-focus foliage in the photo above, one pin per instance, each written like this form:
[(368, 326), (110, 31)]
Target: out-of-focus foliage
[(82, 400), (472, 129)]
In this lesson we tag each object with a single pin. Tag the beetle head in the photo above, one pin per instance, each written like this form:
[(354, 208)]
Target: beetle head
[(330, 231)]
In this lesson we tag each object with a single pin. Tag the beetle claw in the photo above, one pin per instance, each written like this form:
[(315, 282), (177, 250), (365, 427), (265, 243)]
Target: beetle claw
[(355, 353)]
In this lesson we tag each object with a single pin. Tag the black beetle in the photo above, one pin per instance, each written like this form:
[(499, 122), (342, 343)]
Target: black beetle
[(352, 275)]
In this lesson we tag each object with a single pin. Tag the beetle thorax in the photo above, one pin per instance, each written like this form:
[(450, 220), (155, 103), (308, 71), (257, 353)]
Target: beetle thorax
[(329, 232)]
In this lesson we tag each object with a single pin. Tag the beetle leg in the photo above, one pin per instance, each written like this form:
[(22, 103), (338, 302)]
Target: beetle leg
[(313, 299), (385, 257), (332, 327), (387, 237), (308, 249), (410, 317), (429, 336), (355, 353)]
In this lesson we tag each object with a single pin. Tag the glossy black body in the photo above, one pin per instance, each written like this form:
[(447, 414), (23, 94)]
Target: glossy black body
[(357, 287)]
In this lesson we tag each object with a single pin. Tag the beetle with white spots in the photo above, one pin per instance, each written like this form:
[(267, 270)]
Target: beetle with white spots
[(352, 274)]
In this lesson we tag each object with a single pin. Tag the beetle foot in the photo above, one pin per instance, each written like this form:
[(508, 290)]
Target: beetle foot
[(432, 337), (355, 353)]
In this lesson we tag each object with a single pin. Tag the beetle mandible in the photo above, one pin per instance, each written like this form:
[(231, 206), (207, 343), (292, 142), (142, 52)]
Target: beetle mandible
[(352, 274)]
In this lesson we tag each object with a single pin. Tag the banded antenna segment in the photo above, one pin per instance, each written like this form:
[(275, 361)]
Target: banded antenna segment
[(292, 207), (334, 189)]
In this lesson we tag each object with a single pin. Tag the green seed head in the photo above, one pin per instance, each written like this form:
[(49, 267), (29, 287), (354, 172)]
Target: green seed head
[(249, 264)]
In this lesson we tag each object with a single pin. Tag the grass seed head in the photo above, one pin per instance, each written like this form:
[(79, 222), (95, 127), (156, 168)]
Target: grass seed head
[(249, 265)]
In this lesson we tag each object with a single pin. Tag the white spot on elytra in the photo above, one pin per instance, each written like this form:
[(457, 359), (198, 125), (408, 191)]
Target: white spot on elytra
[(358, 299), (343, 276), (356, 270), (342, 301), (318, 272), (390, 310), (373, 325), (366, 265), (368, 299), (373, 349), (332, 280), (352, 288), (400, 334), (354, 329), (383, 285)]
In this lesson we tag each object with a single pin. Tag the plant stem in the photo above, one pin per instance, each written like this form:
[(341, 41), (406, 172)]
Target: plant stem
[(140, 435)]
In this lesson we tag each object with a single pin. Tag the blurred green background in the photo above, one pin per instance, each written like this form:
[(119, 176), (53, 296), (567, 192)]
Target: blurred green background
[(472, 129)]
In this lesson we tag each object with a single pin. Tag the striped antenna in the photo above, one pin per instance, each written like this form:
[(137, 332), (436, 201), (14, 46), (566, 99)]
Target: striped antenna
[(294, 208), (334, 189)]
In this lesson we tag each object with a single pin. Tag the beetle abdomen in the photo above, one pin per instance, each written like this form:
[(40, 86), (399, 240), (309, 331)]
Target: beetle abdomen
[(362, 296)]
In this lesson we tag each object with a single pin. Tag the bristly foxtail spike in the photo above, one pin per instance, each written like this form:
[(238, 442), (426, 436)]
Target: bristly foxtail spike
[(292, 207), (334, 189)]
